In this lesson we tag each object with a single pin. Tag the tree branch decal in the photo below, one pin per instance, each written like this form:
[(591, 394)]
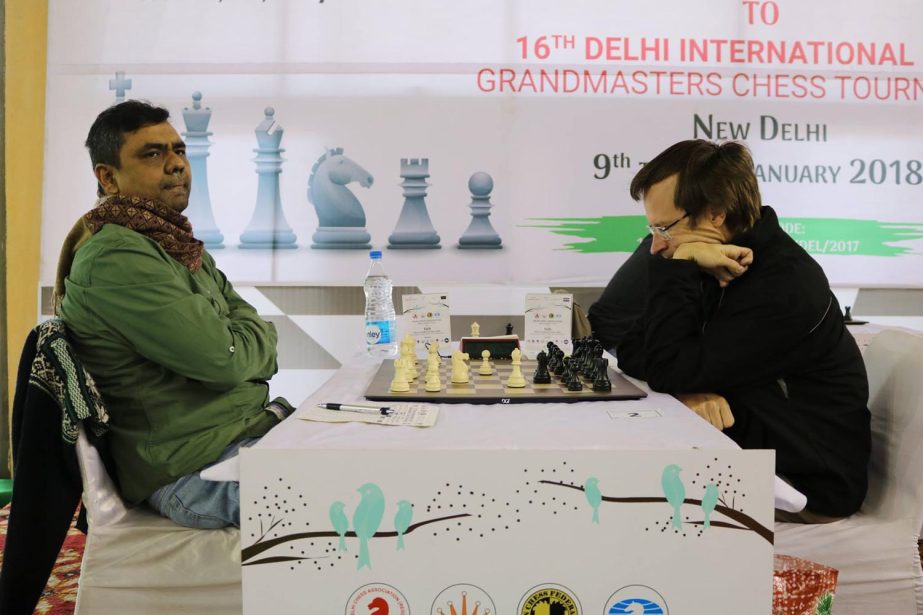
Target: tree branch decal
[(746, 521)]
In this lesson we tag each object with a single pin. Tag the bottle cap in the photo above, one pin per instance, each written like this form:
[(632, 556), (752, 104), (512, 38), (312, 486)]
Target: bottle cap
[(375, 254)]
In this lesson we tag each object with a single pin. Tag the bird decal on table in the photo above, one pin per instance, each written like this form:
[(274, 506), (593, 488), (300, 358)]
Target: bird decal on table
[(340, 522), (674, 491), (402, 521), (366, 519), (709, 501), (593, 496)]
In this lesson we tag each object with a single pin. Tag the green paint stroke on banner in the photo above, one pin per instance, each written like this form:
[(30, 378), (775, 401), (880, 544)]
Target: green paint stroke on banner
[(838, 236)]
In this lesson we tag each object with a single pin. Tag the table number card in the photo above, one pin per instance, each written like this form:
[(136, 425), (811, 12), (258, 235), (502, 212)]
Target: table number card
[(426, 318), (548, 319)]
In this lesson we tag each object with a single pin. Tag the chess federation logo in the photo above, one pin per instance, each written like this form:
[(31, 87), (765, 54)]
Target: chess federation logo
[(463, 599), (549, 599), (377, 599), (635, 600)]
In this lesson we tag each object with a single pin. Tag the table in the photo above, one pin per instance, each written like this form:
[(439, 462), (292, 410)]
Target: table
[(535, 536), (575, 426)]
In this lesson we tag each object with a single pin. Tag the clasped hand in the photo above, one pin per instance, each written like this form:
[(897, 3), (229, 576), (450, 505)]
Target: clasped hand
[(724, 262), (710, 406)]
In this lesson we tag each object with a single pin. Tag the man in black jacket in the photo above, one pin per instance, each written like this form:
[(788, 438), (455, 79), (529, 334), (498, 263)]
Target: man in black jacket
[(737, 308)]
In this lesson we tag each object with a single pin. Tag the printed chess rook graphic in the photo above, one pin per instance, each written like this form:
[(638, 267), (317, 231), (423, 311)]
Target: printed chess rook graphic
[(414, 229)]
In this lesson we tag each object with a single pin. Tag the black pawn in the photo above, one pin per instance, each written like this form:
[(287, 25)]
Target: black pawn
[(602, 384)]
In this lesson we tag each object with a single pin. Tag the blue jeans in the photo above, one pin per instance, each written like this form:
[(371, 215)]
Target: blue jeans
[(192, 501)]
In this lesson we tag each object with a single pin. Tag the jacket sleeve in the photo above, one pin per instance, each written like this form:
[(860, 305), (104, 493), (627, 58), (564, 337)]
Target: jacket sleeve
[(140, 297), (755, 326), (622, 302)]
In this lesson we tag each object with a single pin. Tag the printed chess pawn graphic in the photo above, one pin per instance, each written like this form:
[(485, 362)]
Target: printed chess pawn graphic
[(340, 216), (268, 228), (480, 234), (516, 381), (414, 230), (486, 369), (196, 136)]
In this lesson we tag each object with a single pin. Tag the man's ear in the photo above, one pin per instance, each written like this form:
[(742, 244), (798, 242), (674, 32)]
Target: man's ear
[(717, 218), (106, 176)]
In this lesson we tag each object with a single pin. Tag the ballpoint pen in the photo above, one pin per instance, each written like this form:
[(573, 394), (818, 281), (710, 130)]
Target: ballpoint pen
[(357, 408)]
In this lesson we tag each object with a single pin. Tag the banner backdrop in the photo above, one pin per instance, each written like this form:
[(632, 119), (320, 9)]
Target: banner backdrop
[(493, 142)]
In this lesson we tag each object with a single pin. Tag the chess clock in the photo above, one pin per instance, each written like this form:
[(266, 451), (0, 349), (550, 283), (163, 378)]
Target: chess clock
[(500, 347)]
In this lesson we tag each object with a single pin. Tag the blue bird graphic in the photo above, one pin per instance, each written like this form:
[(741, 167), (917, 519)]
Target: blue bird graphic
[(366, 519), (674, 491), (402, 521), (593, 496), (340, 522), (709, 501)]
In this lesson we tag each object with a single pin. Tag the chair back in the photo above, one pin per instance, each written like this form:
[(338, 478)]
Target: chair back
[(101, 499), (894, 361)]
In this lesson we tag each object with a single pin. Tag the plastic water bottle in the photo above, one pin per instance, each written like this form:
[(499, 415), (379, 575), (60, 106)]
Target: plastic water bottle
[(380, 318)]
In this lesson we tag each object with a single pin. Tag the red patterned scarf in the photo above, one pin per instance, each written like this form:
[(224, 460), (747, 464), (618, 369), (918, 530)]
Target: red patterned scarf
[(167, 227)]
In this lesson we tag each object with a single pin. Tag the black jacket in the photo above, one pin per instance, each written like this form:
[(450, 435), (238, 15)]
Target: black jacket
[(623, 301), (774, 344)]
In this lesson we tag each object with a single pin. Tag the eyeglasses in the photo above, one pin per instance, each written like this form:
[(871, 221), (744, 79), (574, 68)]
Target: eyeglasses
[(664, 231)]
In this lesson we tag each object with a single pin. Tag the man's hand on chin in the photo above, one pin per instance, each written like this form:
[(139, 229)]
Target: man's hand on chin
[(710, 406), (723, 261)]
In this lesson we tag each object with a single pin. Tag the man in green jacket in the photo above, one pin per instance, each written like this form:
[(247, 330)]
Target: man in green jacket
[(180, 359)]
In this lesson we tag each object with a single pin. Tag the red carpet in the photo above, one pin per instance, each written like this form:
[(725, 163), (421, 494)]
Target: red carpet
[(60, 595)]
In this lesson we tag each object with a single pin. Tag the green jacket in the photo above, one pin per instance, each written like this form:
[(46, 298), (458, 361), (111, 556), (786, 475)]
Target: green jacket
[(180, 359)]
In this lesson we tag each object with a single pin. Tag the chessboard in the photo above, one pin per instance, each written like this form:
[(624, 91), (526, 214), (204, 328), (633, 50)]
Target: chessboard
[(492, 390)]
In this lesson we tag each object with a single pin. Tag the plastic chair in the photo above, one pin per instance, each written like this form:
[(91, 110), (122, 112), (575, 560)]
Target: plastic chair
[(875, 550)]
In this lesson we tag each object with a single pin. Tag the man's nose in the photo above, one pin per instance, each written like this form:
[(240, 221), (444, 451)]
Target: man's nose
[(659, 244), (175, 163)]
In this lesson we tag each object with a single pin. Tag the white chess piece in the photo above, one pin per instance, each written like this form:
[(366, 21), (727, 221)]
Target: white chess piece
[(516, 381), (459, 368), (475, 330), (486, 369), (433, 384), (399, 384)]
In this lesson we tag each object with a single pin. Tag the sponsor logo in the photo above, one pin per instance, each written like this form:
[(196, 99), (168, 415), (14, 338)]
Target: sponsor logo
[(463, 599), (549, 599), (377, 599), (635, 600)]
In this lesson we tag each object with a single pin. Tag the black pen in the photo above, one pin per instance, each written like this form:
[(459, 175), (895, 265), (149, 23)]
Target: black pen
[(357, 408)]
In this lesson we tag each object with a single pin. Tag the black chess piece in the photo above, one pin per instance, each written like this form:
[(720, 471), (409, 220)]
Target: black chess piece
[(601, 383), (574, 383), (541, 375), (846, 315), (509, 328), (559, 365)]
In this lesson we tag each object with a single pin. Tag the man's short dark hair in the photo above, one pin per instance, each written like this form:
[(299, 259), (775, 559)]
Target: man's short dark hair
[(107, 134), (711, 177)]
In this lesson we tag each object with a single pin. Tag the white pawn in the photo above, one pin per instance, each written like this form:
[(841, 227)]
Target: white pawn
[(459, 367), (433, 384), (399, 384), (486, 369), (516, 381)]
